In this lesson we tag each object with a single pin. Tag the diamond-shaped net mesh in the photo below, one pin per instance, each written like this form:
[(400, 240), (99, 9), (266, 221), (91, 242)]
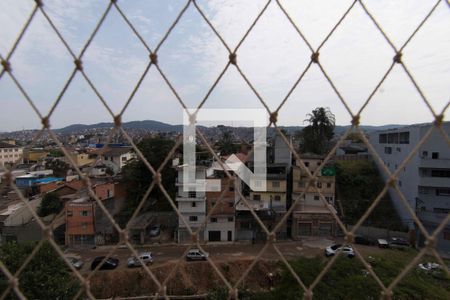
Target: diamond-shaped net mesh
[(41, 10)]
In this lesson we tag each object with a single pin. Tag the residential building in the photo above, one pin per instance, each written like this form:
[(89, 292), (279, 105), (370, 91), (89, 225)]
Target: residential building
[(34, 155), (80, 159), (30, 183), (311, 216), (10, 154), (191, 205), (117, 157), (221, 223), (270, 205), (424, 180), (80, 222)]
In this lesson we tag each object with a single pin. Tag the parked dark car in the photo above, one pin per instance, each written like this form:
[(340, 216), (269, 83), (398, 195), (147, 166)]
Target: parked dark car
[(364, 240), (109, 264)]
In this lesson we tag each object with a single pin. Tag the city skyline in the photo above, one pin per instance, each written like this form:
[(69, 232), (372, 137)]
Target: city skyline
[(272, 56)]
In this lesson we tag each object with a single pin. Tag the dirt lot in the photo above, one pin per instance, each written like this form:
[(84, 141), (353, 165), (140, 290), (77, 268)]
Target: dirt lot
[(188, 278)]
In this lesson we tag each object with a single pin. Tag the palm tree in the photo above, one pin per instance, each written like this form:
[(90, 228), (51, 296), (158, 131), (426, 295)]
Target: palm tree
[(316, 136), (226, 145)]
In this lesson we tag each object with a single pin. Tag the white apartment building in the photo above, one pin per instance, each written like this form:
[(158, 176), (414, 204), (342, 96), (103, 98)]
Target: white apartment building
[(192, 206), (10, 154), (425, 180), (117, 157)]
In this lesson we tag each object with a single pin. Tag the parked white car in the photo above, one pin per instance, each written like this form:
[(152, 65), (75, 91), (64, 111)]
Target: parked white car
[(196, 254), (334, 249), (429, 266), (145, 257)]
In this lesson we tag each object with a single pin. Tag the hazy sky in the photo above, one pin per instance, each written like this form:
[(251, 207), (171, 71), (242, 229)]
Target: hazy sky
[(273, 56)]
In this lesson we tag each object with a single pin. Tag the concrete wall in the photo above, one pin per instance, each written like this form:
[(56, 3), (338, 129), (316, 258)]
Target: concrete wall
[(223, 225)]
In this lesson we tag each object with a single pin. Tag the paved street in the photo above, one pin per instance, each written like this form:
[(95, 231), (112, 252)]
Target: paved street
[(218, 252)]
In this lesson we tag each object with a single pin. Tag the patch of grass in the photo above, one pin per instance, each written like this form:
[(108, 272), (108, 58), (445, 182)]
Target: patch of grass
[(348, 279)]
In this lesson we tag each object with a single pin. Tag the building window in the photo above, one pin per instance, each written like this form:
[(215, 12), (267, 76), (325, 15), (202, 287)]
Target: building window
[(442, 192), (447, 235), (213, 220), (424, 190), (124, 158), (398, 149), (400, 183), (328, 184), (316, 197), (319, 185), (275, 184), (193, 218), (388, 150), (230, 204), (84, 225), (404, 137), (230, 219), (435, 155), (192, 194), (69, 213), (277, 198), (393, 138), (441, 210), (318, 163), (258, 183), (440, 173), (424, 154), (382, 138), (307, 163), (213, 204), (84, 213), (256, 197), (245, 225), (194, 204), (301, 184), (231, 188)]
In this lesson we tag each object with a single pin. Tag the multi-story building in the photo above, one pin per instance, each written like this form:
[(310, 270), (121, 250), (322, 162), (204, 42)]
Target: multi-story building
[(311, 216), (425, 180), (117, 157), (191, 205), (221, 223), (80, 222), (270, 205), (10, 154), (34, 155), (80, 159)]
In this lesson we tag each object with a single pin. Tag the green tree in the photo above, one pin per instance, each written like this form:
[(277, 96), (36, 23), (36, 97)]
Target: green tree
[(138, 177), (55, 153), (358, 184), (58, 166), (226, 145), (315, 138), (50, 204), (47, 276)]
